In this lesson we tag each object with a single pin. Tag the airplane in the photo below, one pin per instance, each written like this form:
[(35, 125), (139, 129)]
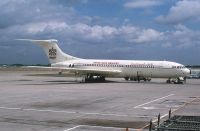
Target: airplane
[(86, 70)]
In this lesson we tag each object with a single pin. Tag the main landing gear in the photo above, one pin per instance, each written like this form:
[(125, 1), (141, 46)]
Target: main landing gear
[(90, 78), (137, 78)]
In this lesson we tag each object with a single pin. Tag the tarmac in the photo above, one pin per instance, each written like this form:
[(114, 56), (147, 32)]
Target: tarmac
[(44, 101)]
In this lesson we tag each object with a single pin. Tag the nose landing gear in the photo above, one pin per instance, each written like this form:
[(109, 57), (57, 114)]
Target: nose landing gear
[(179, 80)]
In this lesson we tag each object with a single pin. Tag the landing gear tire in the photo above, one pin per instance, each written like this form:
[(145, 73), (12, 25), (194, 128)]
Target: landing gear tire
[(149, 79), (138, 79), (132, 78), (102, 78), (185, 79), (168, 81), (126, 78)]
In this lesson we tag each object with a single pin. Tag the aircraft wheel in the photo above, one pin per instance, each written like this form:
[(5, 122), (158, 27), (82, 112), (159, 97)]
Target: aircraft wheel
[(168, 81), (131, 78), (149, 79), (126, 78), (102, 78)]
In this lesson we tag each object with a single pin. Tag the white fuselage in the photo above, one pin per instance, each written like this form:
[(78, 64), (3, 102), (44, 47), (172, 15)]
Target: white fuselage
[(109, 68), (130, 68)]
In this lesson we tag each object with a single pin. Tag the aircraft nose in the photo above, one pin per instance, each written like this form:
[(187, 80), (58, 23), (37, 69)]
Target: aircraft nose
[(187, 72)]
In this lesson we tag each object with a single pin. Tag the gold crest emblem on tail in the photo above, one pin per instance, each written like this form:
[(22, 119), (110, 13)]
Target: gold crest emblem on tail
[(52, 53)]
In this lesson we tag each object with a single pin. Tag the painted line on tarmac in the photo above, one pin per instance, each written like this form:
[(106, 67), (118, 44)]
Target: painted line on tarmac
[(100, 99), (63, 111), (104, 127), (139, 106), (10, 108), (161, 117), (73, 128)]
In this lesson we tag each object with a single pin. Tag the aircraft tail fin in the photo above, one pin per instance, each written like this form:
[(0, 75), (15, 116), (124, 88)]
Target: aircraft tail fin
[(52, 50)]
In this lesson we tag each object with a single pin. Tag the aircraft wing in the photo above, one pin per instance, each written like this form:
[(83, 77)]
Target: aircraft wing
[(94, 71), (81, 71)]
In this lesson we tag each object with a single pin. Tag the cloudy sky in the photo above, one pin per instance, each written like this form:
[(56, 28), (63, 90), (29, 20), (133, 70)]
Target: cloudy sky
[(103, 29)]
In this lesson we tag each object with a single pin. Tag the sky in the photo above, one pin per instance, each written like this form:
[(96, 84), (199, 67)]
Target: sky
[(102, 29)]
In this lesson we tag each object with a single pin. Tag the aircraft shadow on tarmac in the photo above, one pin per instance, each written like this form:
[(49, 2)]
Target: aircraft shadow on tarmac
[(50, 82), (57, 82)]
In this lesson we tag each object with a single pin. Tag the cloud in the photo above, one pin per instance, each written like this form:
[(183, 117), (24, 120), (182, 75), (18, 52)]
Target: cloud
[(66, 25), (92, 33), (180, 37), (19, 12), (34, 28), (84, 32), (142, 3), (125, 34), (182, 11), (149, 35), (183, 37)]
